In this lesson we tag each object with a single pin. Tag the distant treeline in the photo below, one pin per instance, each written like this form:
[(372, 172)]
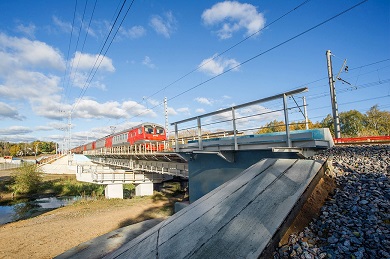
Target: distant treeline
[(352, 124), (27, 149)]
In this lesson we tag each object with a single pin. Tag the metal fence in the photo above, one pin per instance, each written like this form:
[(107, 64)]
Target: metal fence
[(231, 117)]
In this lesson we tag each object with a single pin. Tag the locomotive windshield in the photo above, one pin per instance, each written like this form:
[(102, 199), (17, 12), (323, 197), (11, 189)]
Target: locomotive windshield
[(159, 130), (149, 129)]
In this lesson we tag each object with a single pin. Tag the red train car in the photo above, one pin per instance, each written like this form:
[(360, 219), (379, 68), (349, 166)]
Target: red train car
[(146, 133)]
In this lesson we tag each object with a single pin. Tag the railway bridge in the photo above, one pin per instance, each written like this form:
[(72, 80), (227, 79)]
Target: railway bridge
[(244, 188), (207, 159)]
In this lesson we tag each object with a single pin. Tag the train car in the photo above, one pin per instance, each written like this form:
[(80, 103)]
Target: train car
[(149, 134), (145, 133), (91, 146)]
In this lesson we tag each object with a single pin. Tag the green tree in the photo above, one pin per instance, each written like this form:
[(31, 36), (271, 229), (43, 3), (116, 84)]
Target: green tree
[(28, 179), (272, 126), (351, 123), (14, 149), (377, 122)]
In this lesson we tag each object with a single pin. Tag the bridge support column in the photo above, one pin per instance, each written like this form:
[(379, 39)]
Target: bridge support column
[(144, 189), (114, 191)]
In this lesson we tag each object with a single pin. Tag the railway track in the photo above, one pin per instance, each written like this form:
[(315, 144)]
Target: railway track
[(371, 140)]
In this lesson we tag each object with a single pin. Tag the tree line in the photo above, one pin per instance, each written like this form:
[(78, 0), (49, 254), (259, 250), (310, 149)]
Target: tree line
[(352, 124), (27, 149)]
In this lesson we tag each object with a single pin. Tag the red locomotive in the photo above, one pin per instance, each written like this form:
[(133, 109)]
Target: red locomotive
[(150, 135)]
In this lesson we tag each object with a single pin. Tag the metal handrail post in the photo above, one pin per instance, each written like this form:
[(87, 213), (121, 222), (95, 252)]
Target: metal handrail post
[(176, 139), (288, 139), (234, 129), (200, 144)]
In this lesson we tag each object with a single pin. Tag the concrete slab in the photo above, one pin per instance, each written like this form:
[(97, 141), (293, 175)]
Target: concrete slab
[(237, 219), (105, 244)]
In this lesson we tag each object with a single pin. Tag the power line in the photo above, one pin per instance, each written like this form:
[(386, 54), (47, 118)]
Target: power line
[(70, 42), (95, 68), (77, 44), (228, 49), (86, 34), (223, 52), (258, 55)]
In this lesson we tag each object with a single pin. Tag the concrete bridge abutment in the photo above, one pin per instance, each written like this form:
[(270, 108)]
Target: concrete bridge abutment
[(115, 190)]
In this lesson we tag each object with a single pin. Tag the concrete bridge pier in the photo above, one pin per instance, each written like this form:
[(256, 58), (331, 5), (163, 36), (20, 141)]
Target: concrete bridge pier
[(114, 190), (144, 189)]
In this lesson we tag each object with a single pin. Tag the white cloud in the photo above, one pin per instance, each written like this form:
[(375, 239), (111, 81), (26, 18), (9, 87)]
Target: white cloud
[(164, 25), (200, 110), (171, 111), (28, 30), (184, 110), (44, 128), (135, 109), (26, 85), (85, 61), (233, 16), (15, 130), (88, 109), (19, 138), (58, 125), (64, 26), (204, 100), (217, 65), (7, 111), (134, 32), (22, 52), (148, 62)]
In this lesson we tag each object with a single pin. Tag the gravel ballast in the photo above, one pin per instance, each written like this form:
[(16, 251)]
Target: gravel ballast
[(355, 221)]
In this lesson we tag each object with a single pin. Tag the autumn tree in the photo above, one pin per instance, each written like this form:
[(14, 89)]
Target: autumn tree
[(14, 149), (351, 123), (377, 122)]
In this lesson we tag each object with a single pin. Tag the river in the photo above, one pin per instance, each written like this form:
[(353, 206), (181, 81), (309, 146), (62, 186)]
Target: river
[(26, 209)]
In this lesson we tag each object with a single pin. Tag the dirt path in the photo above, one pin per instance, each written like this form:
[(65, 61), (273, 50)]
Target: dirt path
[(55, 232)]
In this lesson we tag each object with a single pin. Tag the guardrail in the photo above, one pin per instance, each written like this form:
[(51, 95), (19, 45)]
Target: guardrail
[(233, 119)]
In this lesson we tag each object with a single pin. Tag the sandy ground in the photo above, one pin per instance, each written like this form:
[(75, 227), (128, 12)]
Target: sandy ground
[(55, 232)]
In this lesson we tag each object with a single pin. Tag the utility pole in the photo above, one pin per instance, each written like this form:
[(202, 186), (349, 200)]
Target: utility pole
[(166, 116), (305, 113), (336, 119), (70, 132)]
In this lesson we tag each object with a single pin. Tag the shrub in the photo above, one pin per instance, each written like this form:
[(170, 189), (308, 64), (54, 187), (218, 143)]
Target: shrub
[(27, 179)]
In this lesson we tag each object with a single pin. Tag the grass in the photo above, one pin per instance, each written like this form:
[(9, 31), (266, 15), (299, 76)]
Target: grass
[(48, 185)]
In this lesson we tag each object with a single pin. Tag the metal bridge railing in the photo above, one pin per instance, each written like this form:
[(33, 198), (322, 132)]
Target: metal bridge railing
[(232, 110)]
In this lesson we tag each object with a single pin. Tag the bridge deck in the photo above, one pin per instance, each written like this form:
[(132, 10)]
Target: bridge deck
[(238, 219)]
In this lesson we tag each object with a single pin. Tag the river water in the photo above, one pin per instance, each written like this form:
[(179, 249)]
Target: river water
[(24, 210)]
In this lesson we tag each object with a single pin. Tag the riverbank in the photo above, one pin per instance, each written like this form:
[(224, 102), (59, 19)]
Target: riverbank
[(50, 185), (57, 231)]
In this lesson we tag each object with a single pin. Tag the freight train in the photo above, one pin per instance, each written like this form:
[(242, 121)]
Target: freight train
[(146, 133)]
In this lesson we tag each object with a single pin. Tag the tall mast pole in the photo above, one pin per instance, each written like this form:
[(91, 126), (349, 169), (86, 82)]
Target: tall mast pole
[(336, 119), (166, 116), (305, 113)]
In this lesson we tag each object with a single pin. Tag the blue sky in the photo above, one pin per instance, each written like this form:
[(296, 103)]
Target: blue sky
[(172, 49)]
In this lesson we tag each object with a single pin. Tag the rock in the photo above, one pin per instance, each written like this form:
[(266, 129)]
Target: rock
[(332, 240), (354, 221)]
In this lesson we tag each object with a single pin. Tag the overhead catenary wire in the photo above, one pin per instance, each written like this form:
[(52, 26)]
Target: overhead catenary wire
[(77, 43), (67, 55), (223, 52), (256, 56), (228, 49), (100, 56)]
